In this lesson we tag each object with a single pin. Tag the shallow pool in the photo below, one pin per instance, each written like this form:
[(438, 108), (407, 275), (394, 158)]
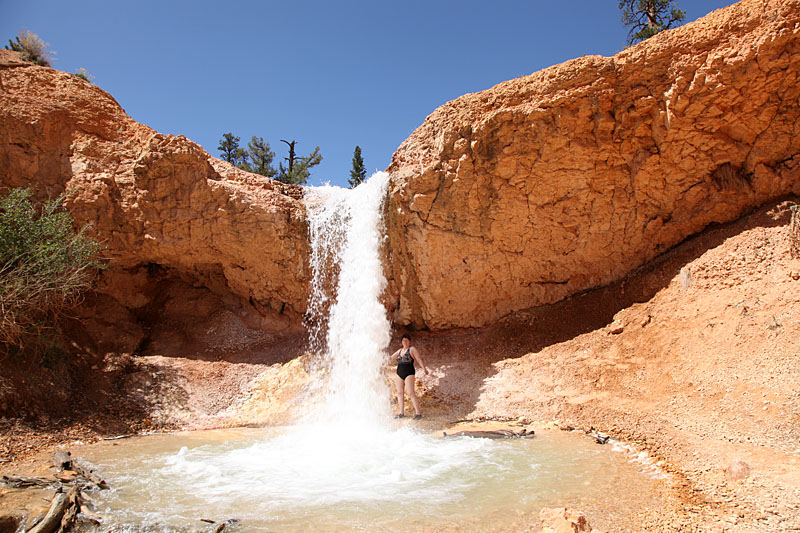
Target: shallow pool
[(331, 478)]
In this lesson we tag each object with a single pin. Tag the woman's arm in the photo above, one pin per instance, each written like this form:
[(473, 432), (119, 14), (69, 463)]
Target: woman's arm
[(393, 358), (417, 357)]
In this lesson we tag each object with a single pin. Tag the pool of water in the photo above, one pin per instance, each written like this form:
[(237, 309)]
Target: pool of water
[(335, 478)]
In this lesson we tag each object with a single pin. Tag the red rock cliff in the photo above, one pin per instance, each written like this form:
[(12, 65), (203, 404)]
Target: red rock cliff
[(572, 177), (162, 206)]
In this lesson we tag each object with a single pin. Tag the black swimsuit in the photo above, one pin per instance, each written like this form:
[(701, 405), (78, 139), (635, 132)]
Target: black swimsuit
[(405, 365)]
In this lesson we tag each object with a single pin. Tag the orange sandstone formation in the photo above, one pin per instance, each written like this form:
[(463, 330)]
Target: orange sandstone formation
[(517, 196), (161, 205), (574, 176)]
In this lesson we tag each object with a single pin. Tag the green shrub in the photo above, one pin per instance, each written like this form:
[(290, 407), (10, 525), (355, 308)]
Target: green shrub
[(31, 48), (44, 269), (83, 74)]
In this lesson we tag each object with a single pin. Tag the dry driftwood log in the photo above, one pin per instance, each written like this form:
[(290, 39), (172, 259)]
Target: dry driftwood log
[(219, 527), (120, 437), (62, 513), (52, 520), (89, 475), (223, 525), (491, 433), (21, 482), (73, 508), (63, 461)]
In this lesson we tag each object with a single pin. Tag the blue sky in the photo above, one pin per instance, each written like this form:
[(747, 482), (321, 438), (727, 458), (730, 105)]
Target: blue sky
[(331, 73)]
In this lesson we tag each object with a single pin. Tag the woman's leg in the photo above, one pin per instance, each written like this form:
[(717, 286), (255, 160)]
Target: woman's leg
[(410, 380), (398, 385)]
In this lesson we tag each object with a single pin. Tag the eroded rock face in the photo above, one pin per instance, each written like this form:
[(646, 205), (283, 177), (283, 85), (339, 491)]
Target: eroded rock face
[(163, 207), (572, 177)]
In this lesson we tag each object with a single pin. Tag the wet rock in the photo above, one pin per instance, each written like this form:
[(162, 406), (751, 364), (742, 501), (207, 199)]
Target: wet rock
[(25, 508), (599, 438), (62, 460), (8, 523)]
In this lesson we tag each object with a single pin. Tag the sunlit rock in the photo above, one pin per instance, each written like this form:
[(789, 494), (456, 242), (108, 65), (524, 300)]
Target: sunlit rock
[(570, 178)]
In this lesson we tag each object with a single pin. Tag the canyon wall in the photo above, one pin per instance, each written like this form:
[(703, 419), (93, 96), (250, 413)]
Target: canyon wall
[(517, 196), (572, 177), (162, 207)]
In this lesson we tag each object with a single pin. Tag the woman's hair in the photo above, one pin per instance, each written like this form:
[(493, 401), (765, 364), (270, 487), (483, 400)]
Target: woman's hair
[(405, 336)]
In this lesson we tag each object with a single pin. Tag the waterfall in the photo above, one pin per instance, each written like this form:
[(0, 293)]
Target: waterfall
[(346, 320), (348, 466)]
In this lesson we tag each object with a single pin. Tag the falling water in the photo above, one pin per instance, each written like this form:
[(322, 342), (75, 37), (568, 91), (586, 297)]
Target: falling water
[(347, 322), (345, 467)]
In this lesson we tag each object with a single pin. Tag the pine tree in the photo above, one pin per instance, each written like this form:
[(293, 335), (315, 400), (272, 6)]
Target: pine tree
[(298, 169), (358, 174), (229, 151), (261, 157), (648, 17)]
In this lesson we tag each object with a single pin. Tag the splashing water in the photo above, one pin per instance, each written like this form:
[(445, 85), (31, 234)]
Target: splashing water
[(344, 467), (306, 480), (345, 227)]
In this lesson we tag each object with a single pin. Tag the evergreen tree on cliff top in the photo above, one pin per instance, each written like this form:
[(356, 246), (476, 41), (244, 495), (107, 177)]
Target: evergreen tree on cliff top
[(648, 17), (261, 157), (358, 174), (229, 151), (298, 169)]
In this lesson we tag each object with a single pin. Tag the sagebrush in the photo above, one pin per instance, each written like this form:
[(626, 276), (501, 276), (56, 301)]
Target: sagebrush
[(83, 74), (45, 266), (31, 48)]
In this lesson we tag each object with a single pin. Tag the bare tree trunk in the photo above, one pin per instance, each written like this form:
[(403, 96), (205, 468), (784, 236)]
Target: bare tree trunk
[(292, 155), (652, 20)]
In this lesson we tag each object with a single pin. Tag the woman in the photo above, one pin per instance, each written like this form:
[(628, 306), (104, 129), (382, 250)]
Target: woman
[(406, 357)]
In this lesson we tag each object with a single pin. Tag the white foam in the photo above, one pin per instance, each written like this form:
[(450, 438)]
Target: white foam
[(344, 464), (346, 234)]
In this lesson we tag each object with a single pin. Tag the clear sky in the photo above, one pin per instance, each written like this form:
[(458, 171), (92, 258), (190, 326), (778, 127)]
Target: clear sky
[(331, 73)]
